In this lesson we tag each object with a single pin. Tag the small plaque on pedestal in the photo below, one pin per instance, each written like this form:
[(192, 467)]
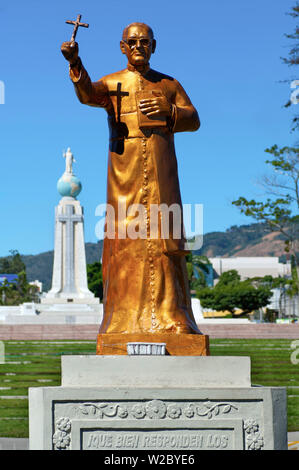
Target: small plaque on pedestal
[(146, 349)]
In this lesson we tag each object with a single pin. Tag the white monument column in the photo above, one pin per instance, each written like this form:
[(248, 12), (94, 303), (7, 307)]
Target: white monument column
[(69, 282)]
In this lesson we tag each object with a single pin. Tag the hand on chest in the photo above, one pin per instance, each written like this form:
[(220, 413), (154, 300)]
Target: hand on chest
[(150, 101)]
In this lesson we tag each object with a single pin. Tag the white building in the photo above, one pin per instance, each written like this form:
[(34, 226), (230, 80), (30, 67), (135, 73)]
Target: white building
[(254, 266)]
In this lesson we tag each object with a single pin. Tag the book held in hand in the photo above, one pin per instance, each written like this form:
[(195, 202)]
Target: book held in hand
[(149, 121)]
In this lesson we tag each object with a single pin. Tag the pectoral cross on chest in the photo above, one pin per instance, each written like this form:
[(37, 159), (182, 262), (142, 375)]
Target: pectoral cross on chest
[(119, 95)]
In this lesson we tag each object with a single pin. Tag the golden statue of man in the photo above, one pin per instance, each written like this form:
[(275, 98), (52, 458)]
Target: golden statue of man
[(145, 279)]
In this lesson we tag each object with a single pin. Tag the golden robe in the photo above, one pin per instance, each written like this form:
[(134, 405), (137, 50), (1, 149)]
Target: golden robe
[(145, 280)]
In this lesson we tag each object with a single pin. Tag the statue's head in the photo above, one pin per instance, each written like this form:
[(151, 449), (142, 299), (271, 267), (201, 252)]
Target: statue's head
[(138, 43)]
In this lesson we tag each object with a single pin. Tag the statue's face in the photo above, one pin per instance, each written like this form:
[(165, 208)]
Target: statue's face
[(138, 46)]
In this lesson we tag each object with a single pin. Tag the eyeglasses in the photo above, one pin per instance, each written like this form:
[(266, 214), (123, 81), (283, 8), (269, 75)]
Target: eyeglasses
[(134, 42)]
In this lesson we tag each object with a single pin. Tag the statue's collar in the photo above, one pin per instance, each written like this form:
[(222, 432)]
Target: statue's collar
[(142, 70)]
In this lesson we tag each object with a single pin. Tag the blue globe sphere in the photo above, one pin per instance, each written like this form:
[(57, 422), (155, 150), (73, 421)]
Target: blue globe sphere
[(69, 186)]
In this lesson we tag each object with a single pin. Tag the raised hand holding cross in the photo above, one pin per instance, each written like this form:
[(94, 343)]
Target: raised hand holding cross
[(76, 26)]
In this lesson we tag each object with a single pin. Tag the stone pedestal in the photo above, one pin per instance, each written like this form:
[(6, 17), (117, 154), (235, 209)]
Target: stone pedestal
[(157, 403)]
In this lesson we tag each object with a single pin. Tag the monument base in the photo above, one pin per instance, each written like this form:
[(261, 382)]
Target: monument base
[(157, 403), (176, 345)]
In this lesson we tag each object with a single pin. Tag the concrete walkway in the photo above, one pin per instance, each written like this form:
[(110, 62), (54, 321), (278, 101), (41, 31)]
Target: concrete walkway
[(7, 443)]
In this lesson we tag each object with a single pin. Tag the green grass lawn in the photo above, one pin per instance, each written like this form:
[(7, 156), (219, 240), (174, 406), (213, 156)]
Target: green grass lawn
[(270, 366), (37, 364)]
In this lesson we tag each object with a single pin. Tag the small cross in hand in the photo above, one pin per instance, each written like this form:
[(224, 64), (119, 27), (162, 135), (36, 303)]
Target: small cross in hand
[(76, 24)]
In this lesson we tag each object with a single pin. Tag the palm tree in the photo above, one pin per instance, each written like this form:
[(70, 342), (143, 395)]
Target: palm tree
[(196, 267)]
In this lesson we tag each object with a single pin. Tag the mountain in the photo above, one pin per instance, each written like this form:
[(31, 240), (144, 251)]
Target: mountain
[(244, 240)]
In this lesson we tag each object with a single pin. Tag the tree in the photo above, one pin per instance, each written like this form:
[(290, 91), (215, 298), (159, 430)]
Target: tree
[(95, 279), (287, 288), (230, 293), (280, 212), (197, 266), (18, 291), (12, 264), (272, 282), (231, 278), (5, 266)]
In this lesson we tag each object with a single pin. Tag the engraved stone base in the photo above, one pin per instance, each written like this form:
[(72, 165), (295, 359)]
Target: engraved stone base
[(176, 344), (180, 415)]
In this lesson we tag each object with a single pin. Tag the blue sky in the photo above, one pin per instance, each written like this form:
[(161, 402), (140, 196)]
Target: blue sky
[(225, 54)]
